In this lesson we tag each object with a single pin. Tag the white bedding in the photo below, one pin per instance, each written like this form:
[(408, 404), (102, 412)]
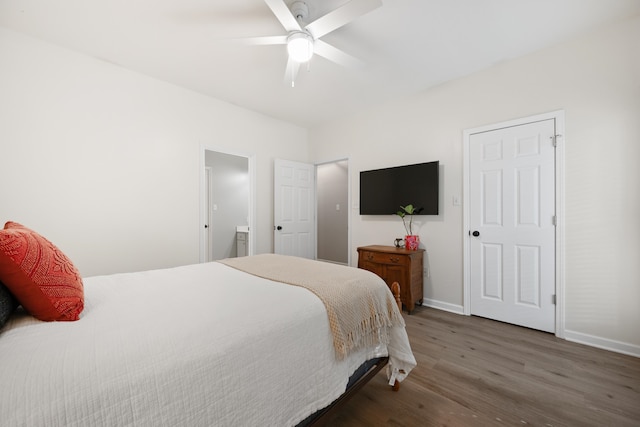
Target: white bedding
[(198, 345)]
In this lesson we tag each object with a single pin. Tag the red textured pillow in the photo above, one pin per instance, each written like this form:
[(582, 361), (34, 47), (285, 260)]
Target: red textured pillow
[(39, 275)]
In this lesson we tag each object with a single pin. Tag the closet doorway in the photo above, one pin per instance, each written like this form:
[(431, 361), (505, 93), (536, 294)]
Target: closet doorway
[(226, 205), (333, 211)]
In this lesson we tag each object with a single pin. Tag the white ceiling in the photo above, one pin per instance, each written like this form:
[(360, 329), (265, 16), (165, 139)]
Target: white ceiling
[(407, 45)]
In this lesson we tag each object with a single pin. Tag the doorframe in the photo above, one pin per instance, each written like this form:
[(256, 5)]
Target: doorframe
[(251, 159), (208, 241), (558, 116)]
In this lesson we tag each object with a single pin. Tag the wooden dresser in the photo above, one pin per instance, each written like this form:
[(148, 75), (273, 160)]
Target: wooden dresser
[(396, 265)]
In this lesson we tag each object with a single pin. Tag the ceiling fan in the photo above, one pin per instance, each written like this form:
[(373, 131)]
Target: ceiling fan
[(303, 39)]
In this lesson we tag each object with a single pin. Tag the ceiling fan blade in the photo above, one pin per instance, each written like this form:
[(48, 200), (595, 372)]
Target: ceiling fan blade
[(341, 16), (261, 41), (291, 72), (282, 12), (334, 54)]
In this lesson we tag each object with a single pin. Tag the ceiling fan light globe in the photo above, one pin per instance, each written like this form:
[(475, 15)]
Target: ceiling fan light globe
[(300, 47)]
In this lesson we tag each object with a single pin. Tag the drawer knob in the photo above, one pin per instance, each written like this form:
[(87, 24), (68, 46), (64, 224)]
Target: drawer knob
[(394, 259)]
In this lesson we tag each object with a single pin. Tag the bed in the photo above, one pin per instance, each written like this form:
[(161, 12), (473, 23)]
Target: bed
[(198, 345)]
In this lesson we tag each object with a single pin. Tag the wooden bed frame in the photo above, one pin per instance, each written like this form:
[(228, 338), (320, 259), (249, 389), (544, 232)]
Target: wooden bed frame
[(321, 417)]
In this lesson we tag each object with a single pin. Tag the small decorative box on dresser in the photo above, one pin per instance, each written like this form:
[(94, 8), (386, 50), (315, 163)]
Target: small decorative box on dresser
[(396, 265)]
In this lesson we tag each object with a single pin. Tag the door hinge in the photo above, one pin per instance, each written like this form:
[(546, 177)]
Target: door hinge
[(553, 299), (554, 220), (554, 139)]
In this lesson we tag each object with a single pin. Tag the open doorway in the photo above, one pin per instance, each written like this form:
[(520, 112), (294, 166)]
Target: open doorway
[(226, 205), (333, 211)]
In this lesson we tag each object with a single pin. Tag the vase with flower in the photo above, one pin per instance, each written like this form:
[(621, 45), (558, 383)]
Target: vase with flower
[(411, 241)]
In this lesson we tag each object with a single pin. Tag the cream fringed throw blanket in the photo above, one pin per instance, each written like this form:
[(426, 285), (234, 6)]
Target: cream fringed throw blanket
[(361, 320)]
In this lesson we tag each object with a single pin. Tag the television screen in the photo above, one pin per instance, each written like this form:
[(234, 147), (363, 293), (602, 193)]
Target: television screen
[(383, 191)]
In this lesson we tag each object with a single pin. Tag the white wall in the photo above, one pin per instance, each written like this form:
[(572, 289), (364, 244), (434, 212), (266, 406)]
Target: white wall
[(596, 80), (105, 162)]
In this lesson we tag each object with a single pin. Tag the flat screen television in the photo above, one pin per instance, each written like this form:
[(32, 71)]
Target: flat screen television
[(383, 191)]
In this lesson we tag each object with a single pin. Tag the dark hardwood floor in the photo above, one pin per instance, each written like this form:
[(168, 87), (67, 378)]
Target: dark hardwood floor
[(477, 372)]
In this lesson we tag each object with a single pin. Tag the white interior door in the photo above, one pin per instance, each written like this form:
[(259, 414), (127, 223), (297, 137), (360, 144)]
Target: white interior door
[(294, 207), (512, 224)]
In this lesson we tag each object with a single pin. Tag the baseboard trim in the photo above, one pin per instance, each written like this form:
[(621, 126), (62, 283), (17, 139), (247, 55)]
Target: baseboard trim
[(603, 343), (445, 306)]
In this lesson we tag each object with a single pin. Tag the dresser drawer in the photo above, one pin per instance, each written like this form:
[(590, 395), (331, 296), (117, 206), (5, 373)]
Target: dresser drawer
[(383, 258)]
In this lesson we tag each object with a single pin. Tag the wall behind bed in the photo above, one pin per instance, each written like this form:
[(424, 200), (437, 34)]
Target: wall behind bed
[(104, 161)]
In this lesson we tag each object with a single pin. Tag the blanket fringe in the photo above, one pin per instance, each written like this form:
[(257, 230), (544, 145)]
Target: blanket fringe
[(370, 332)]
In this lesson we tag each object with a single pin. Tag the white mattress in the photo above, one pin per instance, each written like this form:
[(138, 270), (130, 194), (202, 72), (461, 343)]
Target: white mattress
[(197, 345)]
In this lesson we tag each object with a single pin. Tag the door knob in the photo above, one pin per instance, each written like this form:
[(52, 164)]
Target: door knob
[(476, 233), (279, 228)]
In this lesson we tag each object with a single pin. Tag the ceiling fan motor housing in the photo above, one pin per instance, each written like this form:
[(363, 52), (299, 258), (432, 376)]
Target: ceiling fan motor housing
[(299, 10)]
